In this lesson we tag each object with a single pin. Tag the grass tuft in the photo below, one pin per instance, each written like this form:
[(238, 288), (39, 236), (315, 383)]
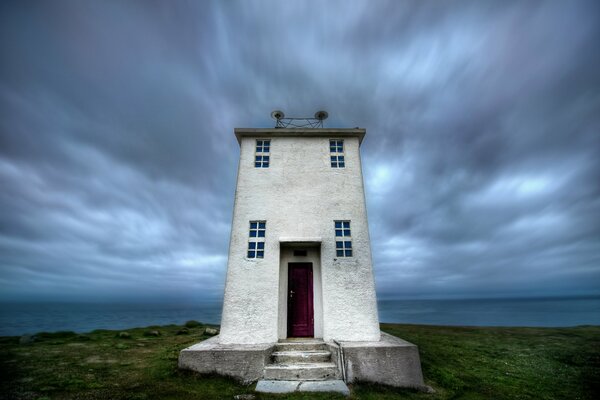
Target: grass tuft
[(192, 324)]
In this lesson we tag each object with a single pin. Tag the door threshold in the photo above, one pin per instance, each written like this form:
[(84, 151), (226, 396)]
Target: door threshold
[(301, 339)]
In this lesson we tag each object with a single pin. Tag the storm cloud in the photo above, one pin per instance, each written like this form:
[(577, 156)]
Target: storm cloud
[(118, 159)]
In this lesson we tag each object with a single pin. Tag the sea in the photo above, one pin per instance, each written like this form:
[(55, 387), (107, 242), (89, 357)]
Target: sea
[(28, 318)]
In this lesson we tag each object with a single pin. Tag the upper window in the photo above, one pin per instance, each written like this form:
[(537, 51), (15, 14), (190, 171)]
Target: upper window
[(263, 151), (256, 243), (342, 228), (343, 239), (336, 153), (258, 228)]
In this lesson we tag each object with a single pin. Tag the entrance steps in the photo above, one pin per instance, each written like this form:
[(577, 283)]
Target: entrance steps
[(301, 360), (295, 362)]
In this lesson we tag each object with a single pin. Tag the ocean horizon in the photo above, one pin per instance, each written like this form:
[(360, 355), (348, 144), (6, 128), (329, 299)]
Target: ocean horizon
[(31, 317)]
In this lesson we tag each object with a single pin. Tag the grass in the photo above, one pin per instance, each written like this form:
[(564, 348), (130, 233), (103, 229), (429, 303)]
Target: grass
[(458, 362)]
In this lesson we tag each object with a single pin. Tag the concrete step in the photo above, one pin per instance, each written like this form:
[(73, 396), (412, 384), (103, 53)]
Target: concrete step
[(301, 371), (265, 386), (301, 346), (294, 356)]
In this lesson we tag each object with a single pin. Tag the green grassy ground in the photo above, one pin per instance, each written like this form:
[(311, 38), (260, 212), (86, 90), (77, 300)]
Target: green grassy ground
[(459, 363)]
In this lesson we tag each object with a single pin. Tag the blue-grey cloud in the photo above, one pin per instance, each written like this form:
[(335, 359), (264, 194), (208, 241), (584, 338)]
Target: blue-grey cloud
[(118, 161)]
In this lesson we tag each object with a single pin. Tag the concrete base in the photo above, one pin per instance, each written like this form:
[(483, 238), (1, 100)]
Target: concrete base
[(243, 362), (338, 386), (391, 361)]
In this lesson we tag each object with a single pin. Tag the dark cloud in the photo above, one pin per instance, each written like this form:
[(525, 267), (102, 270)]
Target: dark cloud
[(118, 160)]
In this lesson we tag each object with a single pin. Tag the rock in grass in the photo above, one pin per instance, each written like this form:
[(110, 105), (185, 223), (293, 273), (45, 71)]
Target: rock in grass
[(28, 339), (429, 390), (183, 331), (122, 346), (244, 397), (192, 324), (124, 335), (152, 333), (211, 331)]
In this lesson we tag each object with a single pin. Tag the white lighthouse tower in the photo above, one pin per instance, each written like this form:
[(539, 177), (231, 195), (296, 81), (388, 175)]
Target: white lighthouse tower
[(300, 299)]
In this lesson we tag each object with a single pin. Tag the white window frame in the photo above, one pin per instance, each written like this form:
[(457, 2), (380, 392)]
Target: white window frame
[(337, 157), (256, 242), (260, 153), (343, 238)]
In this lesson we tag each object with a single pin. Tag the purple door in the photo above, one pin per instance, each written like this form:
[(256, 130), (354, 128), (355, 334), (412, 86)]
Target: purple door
[(300, 300)]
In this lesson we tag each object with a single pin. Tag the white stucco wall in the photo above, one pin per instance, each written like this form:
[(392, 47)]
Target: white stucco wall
[(299, 196)]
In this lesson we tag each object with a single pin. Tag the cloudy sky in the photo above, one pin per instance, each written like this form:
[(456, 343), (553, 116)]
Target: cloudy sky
[(118, 159)]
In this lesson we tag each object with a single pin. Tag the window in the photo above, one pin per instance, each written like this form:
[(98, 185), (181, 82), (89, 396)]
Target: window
[(343, 239), (263, 151), (256, 243), (336, 153)]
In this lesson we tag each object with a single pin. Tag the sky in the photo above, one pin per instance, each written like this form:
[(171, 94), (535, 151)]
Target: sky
[(118, 160)]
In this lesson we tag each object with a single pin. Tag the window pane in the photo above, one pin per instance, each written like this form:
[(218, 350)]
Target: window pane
[(342, 165), (348, 253), (338, 232), (258, 149), (347, 224), (253, 225), (259, 142), (340, 253), (251, 245), (266, 149), (266, 158), (333, 164), (251, 254), (348, 245), (267, 142), (341, 158), (260, 254), (252, 233), (338, 224), (262, 225), (332, 149), (261, 233), (257, 164), (339, 245), (346, 232), (261, 245), (333, 158), (258, 158)]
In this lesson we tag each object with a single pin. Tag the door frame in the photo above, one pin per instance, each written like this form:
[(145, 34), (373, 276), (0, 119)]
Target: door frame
[(286, 255), (310, 296)]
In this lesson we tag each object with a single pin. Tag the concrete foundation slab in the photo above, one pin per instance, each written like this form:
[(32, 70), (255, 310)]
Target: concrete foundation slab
[(391, 361), (243, 362), (268, 386), (325, 386)]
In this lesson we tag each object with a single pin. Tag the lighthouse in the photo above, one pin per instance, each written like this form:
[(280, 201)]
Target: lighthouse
[(299, 301)]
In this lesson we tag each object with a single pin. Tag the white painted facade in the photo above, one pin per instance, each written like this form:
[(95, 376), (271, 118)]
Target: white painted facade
[(299, 196)]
